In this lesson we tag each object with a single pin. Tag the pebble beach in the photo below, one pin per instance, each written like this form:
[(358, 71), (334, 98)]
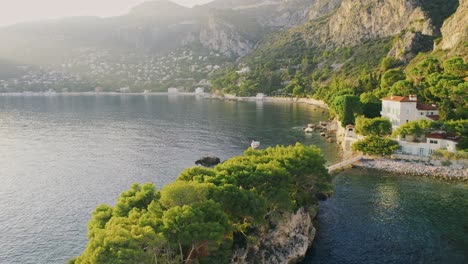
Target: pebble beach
[(415, 169)]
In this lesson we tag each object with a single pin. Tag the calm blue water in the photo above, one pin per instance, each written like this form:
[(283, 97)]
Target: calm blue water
[(379, 218), (60, 157)]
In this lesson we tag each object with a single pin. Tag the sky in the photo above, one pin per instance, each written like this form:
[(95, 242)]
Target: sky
[(15, 11)]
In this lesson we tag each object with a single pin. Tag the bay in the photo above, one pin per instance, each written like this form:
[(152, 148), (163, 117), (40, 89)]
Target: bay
[(61, 156)]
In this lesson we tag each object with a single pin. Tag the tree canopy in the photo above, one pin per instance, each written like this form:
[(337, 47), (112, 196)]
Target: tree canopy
[(378, 126), (196, 218), (413, 128), (374, 145)]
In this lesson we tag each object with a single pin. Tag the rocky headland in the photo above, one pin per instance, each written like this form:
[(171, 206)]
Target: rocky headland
[(288, 242)]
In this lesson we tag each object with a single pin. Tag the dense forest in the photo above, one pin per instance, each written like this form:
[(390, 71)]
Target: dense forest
[(206, 213)]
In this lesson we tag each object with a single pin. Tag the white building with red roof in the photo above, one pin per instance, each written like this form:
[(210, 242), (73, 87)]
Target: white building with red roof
[(403, 109), (432, 141), (443, 140)]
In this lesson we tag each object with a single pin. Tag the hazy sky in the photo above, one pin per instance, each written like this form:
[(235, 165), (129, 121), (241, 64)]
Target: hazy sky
[(14, 11)]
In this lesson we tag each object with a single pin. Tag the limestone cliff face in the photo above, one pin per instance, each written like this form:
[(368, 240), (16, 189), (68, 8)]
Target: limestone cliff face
[(455, 31), (287, 243), (409, 45), (322, 7), (270, 13), (286, 14), (220, 34), (357, 21), (224, 37)]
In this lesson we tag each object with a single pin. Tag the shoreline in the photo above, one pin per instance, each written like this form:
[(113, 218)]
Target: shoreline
[(95, 94), (308, 101), (271, 99), (413, 168), (396, 166)]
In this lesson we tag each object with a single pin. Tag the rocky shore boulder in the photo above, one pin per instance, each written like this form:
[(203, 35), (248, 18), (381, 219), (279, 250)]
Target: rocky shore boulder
[(288, 242), (208, 161)]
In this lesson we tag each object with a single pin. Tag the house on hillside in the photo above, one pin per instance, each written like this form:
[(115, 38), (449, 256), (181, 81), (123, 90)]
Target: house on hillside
[(432, 141), (403, 109), (443, 140)]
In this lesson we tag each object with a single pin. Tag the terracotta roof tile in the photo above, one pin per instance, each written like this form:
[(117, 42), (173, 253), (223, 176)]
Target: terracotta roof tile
[(444, 135), (397, 99), (421, 106)]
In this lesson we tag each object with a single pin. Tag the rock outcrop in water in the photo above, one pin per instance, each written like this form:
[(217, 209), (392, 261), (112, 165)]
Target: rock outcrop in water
[(288, 242), (208, 161)]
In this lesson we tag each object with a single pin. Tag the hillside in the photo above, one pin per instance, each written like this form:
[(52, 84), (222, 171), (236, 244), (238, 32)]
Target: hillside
[(348, 39), (161, 44)]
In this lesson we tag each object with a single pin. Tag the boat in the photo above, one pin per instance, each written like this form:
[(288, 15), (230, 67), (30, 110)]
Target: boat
[(255, 144), (308, 130)]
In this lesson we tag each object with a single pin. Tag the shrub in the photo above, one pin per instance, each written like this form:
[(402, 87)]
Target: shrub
[(374, 145)]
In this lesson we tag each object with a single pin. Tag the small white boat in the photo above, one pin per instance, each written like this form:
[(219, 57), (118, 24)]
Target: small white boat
[(308, 130), (255, 144)]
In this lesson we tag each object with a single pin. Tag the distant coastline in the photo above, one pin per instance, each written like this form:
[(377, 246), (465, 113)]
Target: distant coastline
[(309, 101), (90, 93), (391, 165)]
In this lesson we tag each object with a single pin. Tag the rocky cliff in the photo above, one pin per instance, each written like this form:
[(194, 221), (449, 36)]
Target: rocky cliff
[(455, 31), (322, 7), (224, 37), (357, 21), (270, 13), (287, 14), (287, 243), (253, 20), (409, 44)]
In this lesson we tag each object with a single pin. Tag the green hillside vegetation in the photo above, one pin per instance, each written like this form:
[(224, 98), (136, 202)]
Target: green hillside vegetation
[(205, 213), (434, 81)]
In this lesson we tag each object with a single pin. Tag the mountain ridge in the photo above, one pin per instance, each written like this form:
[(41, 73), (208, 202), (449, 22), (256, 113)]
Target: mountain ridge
[(243, 30)]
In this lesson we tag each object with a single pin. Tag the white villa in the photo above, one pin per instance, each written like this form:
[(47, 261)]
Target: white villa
[(403, 109), (431, 142)]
